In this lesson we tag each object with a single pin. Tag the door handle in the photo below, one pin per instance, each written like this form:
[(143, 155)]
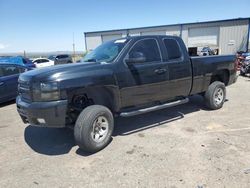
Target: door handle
[(160, 71), (1, 83)]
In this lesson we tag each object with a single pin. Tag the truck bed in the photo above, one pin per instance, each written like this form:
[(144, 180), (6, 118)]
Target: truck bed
[(204, 67)]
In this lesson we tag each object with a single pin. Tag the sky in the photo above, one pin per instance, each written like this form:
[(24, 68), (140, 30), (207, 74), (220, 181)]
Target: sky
[(48, 25)]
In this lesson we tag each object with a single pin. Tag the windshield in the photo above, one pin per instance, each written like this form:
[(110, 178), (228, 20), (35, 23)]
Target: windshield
[(106, 52), (52, 57)]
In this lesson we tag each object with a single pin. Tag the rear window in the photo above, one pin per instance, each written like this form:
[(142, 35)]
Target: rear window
[(173, 49)]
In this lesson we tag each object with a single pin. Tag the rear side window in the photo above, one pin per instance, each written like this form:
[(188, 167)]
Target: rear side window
[(173, 49), (149, 48), (10, 70)]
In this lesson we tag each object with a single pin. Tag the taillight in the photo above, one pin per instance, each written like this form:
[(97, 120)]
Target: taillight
[(236, 64)]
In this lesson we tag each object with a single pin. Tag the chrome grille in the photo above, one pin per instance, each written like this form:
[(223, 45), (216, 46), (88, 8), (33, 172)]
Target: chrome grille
[(24, 90)]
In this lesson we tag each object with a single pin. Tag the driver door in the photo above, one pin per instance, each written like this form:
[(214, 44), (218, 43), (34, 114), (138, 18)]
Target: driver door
[(145, 79)]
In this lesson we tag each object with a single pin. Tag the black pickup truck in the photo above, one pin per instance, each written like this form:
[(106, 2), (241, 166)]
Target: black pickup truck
[(123, 77)]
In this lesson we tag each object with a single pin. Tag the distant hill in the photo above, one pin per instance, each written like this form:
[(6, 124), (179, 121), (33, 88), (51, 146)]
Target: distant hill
[(41, 54)]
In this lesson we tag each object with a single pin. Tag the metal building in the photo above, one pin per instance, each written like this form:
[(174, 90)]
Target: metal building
[(225, 36)]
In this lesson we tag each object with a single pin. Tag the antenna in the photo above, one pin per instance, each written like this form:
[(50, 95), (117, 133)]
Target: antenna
[(74, 52)]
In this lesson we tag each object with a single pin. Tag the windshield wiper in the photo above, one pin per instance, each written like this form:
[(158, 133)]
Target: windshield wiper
[(90, 60)]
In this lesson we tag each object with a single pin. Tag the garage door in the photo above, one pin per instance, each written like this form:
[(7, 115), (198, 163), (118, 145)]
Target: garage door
[(200, 37), (153, 32), (106, 38)]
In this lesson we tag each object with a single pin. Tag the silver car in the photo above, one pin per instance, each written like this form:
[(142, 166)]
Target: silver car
[(61, 59)]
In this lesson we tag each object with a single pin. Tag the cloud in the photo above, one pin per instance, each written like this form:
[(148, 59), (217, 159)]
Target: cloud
[(3, 46)]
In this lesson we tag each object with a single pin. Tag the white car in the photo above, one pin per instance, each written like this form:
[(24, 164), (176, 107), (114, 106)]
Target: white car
[(43, 62)]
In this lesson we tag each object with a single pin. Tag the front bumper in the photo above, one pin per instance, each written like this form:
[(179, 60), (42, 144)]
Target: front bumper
[(44, 114)]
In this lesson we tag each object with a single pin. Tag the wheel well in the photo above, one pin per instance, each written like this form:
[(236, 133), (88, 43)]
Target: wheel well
[(221, 75), (80, 99)]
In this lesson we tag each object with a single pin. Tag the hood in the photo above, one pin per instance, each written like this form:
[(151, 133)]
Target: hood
[(61, 72)]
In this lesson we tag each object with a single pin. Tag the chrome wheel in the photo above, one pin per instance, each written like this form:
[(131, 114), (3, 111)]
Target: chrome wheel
[(100, 129), (218, 96)]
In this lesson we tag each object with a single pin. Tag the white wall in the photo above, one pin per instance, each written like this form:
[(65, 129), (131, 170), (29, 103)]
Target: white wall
[(233, 36), (92, 42)]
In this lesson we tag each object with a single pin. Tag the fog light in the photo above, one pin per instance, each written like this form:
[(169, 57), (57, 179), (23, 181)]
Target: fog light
[(41, 121)]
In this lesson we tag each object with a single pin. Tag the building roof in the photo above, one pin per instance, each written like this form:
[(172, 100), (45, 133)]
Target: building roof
[(149, 27)]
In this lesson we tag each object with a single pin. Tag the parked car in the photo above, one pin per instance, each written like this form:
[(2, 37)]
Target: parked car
[(28, 63), (9, 74), (43, 62), (61, 59), (207, 51), (123, 77), (17, 60), (245, 66)]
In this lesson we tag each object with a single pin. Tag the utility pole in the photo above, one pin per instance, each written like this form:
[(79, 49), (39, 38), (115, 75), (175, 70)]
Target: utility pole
[(74, 52)]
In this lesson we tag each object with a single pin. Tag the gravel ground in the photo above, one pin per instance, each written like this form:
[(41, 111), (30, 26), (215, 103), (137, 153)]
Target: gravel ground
[(185, 146)]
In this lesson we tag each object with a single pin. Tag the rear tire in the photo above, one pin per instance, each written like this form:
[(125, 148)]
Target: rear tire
[(94, 128), (215, 95)]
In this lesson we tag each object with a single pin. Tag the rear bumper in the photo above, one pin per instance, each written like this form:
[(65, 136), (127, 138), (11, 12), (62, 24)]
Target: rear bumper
[(44, 114), (233, 78)]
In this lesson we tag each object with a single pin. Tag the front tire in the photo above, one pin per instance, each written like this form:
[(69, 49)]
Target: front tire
[(94, 128), (215, 95)]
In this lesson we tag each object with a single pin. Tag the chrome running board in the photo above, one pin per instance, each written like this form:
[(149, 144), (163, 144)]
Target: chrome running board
[(153, 108)]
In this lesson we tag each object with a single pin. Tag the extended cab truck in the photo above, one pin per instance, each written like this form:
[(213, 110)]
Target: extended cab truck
[(124, 77)]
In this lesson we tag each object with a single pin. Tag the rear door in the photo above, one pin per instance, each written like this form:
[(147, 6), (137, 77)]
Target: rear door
[(179, 68), (9, 81), (44, 63), (3, 94), (144, 80), (58, 60)]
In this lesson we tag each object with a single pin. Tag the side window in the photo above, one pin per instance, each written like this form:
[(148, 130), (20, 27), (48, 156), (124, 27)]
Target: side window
[(149, 48), (44, 60), (173, 49), (37, 61), (10, 70), (1, 71)]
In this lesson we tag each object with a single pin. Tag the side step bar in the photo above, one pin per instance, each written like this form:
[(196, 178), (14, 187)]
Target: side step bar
[(153, 108)]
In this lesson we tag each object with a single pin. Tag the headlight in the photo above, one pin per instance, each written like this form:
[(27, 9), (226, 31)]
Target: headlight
[(46, 91)]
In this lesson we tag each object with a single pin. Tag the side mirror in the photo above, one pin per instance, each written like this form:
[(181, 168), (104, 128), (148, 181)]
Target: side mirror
[(136, 57)]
